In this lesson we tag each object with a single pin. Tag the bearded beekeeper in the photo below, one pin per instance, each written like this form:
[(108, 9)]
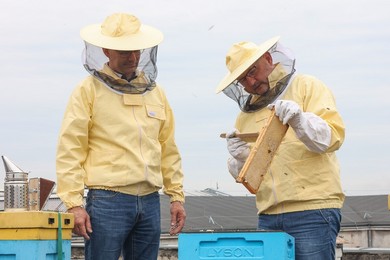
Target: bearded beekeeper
[(301, 193), (117, 141)]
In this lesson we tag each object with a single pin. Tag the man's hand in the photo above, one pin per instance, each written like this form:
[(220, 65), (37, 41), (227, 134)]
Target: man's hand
[(238, 148), (235, 166), (82, 223), (311, 129), (178, 217), (288, 112)]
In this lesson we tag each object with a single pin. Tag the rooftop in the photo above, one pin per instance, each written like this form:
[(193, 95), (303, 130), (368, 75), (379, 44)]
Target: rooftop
[(211, 209)]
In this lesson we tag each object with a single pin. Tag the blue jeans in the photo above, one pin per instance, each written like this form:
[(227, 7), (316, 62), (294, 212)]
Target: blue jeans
[(315, 231), (123, 224)]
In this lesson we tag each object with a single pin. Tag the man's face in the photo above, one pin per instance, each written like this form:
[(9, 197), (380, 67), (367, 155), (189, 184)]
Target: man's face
[(255, 79), (124, 62)]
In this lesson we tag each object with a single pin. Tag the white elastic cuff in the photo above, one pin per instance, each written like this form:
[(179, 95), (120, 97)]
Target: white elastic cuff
[(314, 132)]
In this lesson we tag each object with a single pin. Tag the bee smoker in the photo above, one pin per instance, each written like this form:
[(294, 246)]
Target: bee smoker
[(15, 187)]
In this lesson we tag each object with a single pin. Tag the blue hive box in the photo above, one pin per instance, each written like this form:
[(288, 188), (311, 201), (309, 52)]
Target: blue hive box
[(34, 250), (236, 245)]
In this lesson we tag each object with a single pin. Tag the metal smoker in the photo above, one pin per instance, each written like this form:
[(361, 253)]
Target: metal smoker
[(15, 187)]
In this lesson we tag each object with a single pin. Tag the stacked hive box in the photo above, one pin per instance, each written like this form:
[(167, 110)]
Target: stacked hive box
[(35, 235)]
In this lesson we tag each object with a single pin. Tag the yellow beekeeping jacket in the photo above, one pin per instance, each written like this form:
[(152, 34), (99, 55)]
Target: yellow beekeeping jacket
[(299, 179), (120, 142)]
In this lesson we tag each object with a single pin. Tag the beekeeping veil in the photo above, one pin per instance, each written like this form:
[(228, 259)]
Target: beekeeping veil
[(241, 57), (122, 32)]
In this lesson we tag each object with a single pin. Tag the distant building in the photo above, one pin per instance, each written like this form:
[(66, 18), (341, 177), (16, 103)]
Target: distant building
[(365, 227)]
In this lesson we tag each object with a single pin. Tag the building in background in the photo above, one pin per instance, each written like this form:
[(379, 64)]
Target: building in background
[(365, 226)]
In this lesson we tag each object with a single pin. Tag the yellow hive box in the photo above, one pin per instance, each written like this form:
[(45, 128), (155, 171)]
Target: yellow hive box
[(35, 225)]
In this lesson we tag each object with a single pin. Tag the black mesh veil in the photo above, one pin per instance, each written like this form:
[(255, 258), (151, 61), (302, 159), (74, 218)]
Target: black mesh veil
[(251, 103), (94, 60)]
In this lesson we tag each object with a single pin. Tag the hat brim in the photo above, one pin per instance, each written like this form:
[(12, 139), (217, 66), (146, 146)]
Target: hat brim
[(231, 76), (146, 37)]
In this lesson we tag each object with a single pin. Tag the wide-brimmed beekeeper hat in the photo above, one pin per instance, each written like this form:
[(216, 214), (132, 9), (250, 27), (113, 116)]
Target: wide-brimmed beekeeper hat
[(123, 32), (240, 57)]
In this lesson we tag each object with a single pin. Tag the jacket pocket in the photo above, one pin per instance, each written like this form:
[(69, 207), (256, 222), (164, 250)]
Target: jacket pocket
[(155, 118)]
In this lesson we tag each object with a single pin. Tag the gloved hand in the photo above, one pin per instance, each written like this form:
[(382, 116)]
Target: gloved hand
[(287, 111), (235, 166), (311, 129), (237, 148)]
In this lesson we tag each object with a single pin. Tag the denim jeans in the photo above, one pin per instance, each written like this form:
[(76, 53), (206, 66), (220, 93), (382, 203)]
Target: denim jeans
[(123, 224), (315, 231)]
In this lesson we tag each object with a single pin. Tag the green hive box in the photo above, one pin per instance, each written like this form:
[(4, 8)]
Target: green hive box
[(256, 245), (35, 235)]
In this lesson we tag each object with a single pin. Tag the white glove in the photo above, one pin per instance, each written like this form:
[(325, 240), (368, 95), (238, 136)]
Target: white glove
[(235, 166), (311, 129), (237, 148), (285, 110)]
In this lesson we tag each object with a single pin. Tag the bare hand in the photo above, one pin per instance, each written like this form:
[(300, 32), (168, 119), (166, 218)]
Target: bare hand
[(82, 223), (178, 217)]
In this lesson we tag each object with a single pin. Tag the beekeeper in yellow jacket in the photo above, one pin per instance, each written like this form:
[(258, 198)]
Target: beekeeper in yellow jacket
[(301, 193), (117, 140)]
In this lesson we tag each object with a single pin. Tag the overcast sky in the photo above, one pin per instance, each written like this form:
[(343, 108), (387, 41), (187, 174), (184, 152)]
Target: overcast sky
[(345, 43)]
